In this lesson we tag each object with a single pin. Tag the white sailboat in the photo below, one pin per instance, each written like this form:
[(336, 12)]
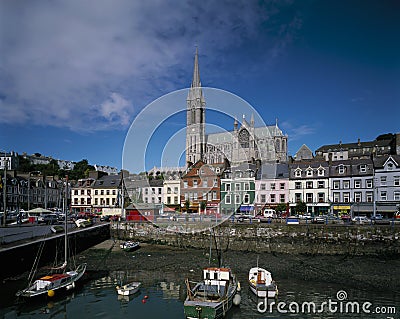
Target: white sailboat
[(60, 280), (261, 283)]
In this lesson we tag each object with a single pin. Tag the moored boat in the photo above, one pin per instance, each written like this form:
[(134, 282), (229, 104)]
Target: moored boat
[(261, 283), (128, 289), (213, 296), (129, 245)]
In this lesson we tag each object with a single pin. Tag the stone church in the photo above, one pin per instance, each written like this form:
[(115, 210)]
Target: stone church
[(245, 144)]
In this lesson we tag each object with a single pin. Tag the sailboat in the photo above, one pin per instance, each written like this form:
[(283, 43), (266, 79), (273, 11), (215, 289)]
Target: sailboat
[(261, 283), (60, 280)]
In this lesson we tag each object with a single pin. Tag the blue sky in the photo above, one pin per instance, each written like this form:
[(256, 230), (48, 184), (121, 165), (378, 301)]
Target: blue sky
[(75, 74)]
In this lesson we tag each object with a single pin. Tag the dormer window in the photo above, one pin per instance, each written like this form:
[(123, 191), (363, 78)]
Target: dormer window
[(390, 167), (341, 169), (321, 171), (363, 168), (297, 172), (309, 172)]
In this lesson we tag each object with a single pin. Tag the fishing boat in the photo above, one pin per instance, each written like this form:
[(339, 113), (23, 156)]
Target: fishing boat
[(261, 283), (213, 296), (60, 280), (129, 245), (128, 289)]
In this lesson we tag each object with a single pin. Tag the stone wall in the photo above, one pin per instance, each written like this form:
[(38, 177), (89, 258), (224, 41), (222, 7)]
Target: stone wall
[(274, 238)]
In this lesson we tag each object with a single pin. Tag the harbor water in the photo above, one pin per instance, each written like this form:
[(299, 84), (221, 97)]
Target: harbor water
[(306, 290)]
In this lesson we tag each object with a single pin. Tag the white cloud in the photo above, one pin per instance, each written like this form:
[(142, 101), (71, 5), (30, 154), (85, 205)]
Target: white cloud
[(59, 58)]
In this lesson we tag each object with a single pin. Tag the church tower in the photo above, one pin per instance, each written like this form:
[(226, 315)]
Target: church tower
[(195, 118)]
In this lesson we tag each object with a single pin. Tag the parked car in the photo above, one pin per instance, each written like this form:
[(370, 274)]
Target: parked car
[(361, 220), (105, 218), (49, 219)]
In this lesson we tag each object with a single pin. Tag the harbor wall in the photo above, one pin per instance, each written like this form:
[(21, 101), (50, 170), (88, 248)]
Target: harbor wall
[(19, 257), (307, 239)]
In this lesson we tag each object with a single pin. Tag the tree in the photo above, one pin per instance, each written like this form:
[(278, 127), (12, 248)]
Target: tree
[(281, 207), (203, 205), (187, 205), (301, 207)]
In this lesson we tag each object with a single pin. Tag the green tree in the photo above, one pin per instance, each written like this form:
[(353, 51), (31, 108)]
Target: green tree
[(301, 207), (281, 207)]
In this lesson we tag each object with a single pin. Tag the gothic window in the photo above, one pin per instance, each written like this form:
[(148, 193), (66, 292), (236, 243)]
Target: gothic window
[(278, 146), (244, 138)]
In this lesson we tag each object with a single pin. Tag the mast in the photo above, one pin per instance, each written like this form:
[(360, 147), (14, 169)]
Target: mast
[(65, 223)]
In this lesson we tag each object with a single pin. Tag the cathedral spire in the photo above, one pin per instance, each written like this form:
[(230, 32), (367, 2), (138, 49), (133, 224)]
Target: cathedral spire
[(196, 74)]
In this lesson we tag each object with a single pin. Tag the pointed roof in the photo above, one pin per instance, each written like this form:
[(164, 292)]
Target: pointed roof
[(196, 73)]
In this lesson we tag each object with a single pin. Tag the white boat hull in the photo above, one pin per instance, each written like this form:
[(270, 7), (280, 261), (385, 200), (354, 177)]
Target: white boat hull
[(261, 283), (128, 289)]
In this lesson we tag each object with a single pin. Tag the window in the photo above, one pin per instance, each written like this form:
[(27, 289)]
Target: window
[(346, 184), (368, 183), (297, 172), (273, 198), (262, 186), (246, 186), (369, 197), (237, 187), (263, 198), (357, 183), (237, 199), (396, 181), (246, 198), (363, 168), (195, 183), (282, 185), (96, 192), (214, 195), (383, 181), (309, 184), (168, 190), (185, 184), (336, 184), (346, 197), (390, 167), (82, 192), (227, 199), (297, 185), (282, 198), (321, 172), (168, 200), (309, 172), (228, 187), (396, 196), (321, 197), (297, 197), (205, 182), (176, 200), (175, 190), (272, 185), (357, 197), (341, 169), (309, 197), (321, 184), (383, 195), (195, 196), (336, 197)]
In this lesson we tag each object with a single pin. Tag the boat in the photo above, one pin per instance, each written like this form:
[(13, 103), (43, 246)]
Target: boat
[(261, 283), (129, 245), (213, 296), (128, 289), (60, 280)]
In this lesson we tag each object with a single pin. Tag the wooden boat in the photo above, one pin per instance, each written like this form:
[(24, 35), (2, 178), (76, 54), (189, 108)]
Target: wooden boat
[(60, 280), (213, 296), (129, 245), (261, 283), (128, 289)]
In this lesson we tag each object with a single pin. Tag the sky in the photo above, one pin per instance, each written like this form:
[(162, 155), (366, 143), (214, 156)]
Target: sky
[(74, 75)]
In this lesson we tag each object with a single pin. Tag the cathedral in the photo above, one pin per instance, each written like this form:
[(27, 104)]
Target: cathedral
[(245, 144)]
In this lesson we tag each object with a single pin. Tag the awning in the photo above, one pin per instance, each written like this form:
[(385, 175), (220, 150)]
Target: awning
[(246, 208)]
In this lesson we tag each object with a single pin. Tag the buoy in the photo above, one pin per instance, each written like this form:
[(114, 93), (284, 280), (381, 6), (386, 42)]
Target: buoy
[(50, 293), (144, 300), (238, 287), (236, 300), (146, 297)]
